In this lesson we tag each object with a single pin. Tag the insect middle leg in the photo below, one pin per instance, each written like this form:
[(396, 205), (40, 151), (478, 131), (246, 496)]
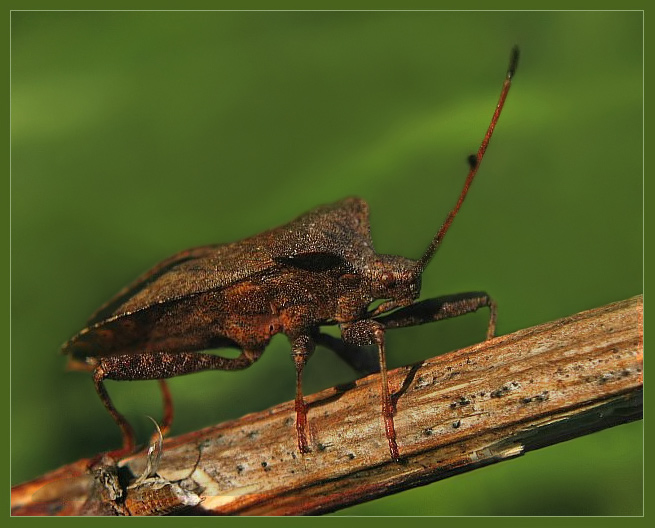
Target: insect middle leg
[(302, 347), (157, 366), (363, 360), (370, 332)]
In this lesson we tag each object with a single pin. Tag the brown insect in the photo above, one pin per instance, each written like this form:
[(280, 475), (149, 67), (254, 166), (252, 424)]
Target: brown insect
[(319, 269)]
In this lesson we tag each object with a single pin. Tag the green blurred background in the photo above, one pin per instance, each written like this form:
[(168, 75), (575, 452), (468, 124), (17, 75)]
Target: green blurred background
[(136, 135)]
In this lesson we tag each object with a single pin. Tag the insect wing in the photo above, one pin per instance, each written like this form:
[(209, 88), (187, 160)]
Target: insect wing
[(111, 306), (182, 289), (322, 230)]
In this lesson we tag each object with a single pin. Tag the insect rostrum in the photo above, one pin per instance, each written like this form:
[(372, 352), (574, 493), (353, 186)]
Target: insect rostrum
[(320, 269)]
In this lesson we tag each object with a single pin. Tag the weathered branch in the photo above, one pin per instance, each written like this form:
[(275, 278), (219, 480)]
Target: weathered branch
[(489, 402)]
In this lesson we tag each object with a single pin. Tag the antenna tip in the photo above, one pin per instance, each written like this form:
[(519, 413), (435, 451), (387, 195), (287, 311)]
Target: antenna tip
[(513, 62)]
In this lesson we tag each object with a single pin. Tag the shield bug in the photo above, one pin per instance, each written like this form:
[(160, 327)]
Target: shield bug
[(320, 269)]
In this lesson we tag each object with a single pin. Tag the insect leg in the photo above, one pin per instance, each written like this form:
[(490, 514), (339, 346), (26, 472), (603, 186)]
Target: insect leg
[(157, 366), (160, 365), (126, 429), (167, 419), (442, 308), (370, 332), (359, 358), (301, 348)]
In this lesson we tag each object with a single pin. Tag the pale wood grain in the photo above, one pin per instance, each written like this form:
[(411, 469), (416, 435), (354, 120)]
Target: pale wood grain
[(454, 413)]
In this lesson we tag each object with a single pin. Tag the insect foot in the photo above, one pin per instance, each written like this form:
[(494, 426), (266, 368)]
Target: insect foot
[(317, 270)]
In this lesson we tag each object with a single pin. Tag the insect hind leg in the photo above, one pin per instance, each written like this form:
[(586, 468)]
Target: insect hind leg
[(157, 366), (129, 443), (167, 418)]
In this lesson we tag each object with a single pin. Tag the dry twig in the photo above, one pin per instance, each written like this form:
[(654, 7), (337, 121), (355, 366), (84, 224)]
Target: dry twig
[(457, 412)]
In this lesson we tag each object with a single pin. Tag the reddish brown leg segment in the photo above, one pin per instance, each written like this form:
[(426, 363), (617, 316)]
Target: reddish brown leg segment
[(301, 415), (302, 348), (129, 443), (387, 405), (167, 418), (370, 332)]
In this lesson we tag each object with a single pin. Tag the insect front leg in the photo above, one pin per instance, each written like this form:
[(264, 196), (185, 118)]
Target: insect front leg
[(157, 366), (442, 308), (302, 347), (370, 332)]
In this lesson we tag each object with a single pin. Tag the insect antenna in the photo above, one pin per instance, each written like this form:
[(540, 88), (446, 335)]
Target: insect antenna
[(474, 163)]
